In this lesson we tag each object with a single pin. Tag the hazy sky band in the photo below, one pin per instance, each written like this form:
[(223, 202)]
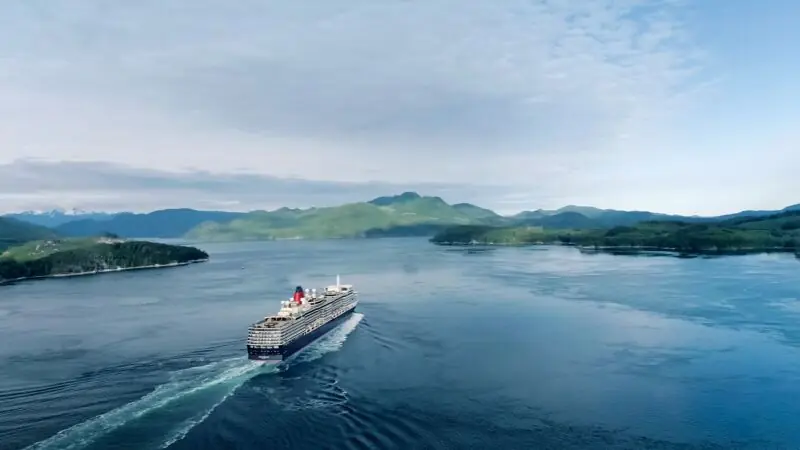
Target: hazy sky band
[(665, 105)]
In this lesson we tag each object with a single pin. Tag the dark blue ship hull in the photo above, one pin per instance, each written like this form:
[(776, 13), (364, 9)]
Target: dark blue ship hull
[(276, 355)]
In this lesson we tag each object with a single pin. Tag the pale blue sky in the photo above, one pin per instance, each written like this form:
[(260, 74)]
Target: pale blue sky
[(667, 105)]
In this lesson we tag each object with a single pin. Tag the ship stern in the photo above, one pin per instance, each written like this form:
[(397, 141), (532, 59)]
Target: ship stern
[(264, 355)]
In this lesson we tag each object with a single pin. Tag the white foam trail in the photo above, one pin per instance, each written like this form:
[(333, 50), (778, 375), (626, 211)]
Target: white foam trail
[(234, 371), (330, 342), (184, 382), (187, 425)]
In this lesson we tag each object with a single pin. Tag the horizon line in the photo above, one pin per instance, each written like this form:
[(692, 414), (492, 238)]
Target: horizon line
[(75, 211)]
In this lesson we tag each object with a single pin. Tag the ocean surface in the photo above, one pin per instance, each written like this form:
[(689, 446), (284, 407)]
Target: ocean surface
[(505, 348)]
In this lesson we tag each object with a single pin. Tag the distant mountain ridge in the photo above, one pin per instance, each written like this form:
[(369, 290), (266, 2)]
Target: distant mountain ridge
[(56, 217), (405, 214), (165, 223), (395, 199), (778, 232), (14, 232), (605, 218), (759, 213)]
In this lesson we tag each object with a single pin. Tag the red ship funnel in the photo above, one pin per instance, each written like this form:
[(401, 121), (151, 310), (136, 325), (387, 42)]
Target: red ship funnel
[(299, 295)]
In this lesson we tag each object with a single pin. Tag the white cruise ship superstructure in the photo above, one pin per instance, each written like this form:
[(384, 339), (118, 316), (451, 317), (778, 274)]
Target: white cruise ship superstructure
[(300, 321)]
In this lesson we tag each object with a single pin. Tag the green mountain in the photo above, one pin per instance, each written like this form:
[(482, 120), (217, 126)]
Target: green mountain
[(759, 213), (776, 232), (476, 212), (165, 223), (15, 232), (567, 220), (601, 217), (407, 214), (604, 218), (396, 199), (572, 219), (588, 211)]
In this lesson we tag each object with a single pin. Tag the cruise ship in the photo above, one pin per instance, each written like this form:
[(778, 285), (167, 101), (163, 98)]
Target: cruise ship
[(300, 321)]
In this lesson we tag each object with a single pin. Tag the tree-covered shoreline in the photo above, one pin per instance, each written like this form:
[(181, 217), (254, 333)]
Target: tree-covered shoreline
[(774, 233), (97, 257)]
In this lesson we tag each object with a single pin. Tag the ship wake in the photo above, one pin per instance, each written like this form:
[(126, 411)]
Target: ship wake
[(165, 415), (330, 342), (186, 386)]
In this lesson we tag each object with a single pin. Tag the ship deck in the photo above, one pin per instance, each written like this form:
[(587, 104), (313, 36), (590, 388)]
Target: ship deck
[(315, 302), (272, 322)]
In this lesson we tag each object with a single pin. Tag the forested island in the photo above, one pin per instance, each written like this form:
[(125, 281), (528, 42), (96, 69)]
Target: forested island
[(774, 233), (22, 259)]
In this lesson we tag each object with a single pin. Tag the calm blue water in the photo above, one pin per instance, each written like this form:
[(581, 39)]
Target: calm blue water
[(506, 348)]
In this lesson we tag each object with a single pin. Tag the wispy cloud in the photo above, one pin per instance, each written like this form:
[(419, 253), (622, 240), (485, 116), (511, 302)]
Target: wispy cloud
[(530, 94), (42, 185)]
